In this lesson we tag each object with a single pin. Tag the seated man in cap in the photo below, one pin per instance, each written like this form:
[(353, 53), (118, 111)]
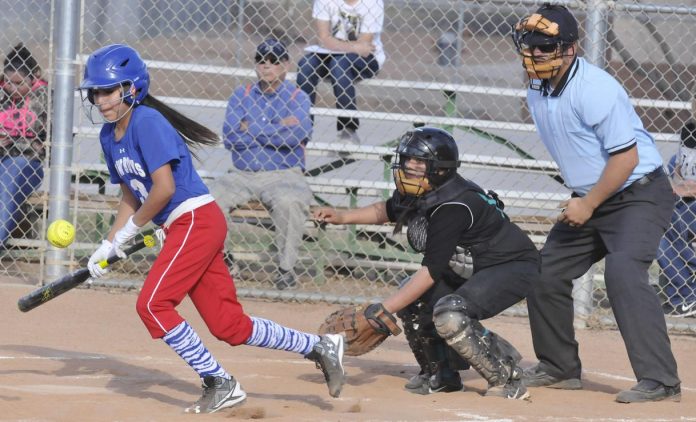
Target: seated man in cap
[(266, 128)]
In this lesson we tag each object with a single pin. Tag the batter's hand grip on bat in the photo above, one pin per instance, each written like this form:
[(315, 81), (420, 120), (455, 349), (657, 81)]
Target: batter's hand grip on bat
[(148, 241), (58, 287)]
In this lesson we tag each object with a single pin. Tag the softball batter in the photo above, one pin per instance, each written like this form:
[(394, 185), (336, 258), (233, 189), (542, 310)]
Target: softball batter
[(145, 145)]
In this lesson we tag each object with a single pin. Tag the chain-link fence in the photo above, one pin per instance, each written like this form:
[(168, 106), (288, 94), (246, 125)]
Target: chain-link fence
[(446, 63)]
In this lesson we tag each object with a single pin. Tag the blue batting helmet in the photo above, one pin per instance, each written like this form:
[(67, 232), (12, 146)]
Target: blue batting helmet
[(115, 65)]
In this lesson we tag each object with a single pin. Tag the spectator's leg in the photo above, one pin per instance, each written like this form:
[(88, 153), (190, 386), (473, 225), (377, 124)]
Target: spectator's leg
[(669, 260), (311, 69), (676, 256), (230, 191), (288, 196), (688, 255), (19, 178), (344, 70)]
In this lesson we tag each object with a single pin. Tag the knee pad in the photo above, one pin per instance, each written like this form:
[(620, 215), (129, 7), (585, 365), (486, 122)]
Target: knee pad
[(450, 316), (450, 303)]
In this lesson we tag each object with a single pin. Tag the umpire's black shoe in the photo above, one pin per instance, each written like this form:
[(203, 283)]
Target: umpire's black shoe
[(649, 390), (537, 377)]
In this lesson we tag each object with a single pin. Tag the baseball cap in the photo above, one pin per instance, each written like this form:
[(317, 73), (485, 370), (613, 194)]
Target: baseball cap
[(567, 26), (272, 48)]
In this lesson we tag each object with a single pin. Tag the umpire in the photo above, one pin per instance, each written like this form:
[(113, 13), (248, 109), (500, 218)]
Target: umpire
[(620, 208)]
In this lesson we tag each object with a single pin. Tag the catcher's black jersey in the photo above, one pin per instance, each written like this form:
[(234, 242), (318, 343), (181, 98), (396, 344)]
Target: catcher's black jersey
[(468, 217)]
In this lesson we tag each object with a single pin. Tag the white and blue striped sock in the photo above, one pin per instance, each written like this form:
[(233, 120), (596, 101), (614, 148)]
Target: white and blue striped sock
[(186, 343), (268, 334)]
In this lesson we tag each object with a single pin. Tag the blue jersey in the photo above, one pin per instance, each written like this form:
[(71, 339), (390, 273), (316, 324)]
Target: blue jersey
[(149, 143), (584, 120)]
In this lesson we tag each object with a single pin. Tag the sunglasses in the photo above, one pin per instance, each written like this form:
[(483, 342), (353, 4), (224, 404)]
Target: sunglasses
[(259, 59), (547, 48)]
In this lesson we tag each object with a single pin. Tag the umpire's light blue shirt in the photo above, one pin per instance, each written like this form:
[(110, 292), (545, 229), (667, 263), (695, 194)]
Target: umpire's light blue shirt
[(584, 120)]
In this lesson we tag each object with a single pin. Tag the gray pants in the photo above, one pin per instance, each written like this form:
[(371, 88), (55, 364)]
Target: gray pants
[(625, 230), (285, 193)]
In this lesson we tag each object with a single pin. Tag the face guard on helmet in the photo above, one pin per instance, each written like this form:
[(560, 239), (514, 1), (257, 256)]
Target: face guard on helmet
[(552, 29), (112, 67), (425, 159)]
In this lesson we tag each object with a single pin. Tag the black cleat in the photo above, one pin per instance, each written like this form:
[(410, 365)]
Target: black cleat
[(537, 377), (649, 390)]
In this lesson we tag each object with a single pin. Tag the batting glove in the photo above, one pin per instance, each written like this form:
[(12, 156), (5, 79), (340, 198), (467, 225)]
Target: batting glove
[(102, 253), (124, 236)]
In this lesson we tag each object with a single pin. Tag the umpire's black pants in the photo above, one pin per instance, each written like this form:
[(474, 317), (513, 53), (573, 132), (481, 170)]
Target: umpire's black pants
[(625, 230)]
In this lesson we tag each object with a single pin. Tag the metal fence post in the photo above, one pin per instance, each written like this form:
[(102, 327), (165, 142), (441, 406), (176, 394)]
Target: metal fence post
[(62, 137), (596, 29)]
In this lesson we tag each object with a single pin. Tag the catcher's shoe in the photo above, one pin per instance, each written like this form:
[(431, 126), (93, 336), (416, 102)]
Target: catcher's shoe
[(417, 382), (514, 388), (328, 356), (218, 393), (444, 382)]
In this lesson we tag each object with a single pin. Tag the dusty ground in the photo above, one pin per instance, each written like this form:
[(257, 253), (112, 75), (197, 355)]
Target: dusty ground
[(86, 357)]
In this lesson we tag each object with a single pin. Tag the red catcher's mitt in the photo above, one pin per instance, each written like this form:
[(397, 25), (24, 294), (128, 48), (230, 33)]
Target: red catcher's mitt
[(364, 327)]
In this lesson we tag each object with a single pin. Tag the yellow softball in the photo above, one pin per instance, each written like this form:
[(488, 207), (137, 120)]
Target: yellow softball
[(61, 233)]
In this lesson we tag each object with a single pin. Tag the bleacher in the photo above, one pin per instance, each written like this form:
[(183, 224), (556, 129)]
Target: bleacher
[(531, 209)]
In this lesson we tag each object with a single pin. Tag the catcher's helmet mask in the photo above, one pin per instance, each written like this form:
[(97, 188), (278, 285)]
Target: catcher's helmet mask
[(115, 66), (552, 29), (434, 147)]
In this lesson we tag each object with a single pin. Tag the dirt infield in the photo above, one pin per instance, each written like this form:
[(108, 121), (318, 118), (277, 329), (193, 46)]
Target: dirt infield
[(86, 357)]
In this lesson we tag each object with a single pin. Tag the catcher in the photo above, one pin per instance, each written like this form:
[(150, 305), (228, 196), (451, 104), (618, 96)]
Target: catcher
[(448, 218)]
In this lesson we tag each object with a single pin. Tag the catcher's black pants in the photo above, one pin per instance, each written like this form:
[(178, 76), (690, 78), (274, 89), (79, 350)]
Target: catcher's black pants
[(625, 230), (491, 290)]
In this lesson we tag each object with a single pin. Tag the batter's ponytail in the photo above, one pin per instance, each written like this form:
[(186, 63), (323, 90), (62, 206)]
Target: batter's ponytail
[(194, 133)]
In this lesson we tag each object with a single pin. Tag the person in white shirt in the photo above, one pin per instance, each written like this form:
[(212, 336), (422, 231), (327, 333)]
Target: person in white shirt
[(350, 50)]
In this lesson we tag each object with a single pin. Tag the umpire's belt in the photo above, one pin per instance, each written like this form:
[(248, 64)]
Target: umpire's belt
[(658, 172), (649, 177)]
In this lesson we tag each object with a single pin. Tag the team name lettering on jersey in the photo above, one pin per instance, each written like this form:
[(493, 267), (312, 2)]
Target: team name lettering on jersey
[(127, 165)]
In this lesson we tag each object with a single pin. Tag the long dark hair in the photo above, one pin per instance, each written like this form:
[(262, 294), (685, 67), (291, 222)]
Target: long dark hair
[(20, 60), (195, 134)]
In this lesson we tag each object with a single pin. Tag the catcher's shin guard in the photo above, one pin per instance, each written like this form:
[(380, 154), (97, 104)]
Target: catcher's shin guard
[(438, 371), (442, 376), (410, 323), (492, 356)]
